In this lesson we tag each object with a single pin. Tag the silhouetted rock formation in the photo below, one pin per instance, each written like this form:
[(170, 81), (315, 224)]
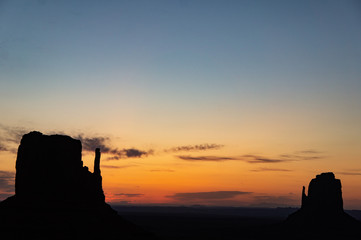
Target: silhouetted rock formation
[(56, 197), (323, 204), (50, 168), (322, 211), (321, 216), (324, 194)]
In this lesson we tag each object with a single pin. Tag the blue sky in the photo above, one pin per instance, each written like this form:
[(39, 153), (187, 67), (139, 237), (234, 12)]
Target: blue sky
[(181, 55)]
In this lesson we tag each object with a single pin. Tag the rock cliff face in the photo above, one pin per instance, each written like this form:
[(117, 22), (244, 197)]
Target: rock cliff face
[(50, 168), (321, 215), (323, 206), (56, 197), (324, 194)]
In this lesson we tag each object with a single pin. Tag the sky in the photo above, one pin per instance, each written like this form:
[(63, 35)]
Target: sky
[(227, 103)]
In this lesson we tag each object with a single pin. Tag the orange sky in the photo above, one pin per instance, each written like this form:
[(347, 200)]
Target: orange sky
[(211, 173)]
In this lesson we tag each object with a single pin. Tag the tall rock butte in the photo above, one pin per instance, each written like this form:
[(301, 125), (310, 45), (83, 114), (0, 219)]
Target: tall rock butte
[(51, 168), (56, 197), (323, 206), (324, 195)]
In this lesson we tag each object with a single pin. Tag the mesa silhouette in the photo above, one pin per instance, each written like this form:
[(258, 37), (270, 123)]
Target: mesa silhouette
[(56, 197), (321, 215), (323, 207)]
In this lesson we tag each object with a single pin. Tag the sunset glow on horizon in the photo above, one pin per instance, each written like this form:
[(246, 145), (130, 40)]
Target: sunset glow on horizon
[(235, 103)]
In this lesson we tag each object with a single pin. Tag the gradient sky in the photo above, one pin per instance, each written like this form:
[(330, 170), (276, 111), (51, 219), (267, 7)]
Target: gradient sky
[(235, 103)]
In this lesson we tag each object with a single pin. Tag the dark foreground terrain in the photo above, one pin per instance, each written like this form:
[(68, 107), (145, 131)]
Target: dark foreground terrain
[(212, 222)]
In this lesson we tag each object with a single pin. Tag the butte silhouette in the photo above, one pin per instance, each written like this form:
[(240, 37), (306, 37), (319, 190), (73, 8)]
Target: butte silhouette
[(56, 197), (321, 215)]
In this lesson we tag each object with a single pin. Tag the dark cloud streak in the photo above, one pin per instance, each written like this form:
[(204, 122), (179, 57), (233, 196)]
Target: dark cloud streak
[(245, 158), (259, 159), (350, 173), (132, 152), (14, 134), (206, 158), (129, 195), (310, 151), (2, 148), (10, 136), (206, 195), (7, 181), (200, 147), (253, 159), (118, 167), (298, 157), (91, 143)]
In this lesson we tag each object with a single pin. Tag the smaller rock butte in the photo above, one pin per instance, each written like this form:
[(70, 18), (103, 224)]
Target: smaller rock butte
[(323, 206), (324, 194)]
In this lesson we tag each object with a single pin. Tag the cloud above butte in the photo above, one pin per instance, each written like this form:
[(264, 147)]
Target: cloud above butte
[(199, 147), (255, 159), (91, 143)]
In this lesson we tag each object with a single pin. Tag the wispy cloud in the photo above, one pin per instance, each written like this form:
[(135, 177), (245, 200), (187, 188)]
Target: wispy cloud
[(7, 181), (207, 158), (308, 151), (118, 167), (200, 147), (260, 159), (350, 173), (7, 175), (293, 157), (2, 147), (132, 152), (113, 158), (206, 195), (244, 158), (10, 137), (254, 159), (13, 134), (91, 143), (303, 155), (129, 195)]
